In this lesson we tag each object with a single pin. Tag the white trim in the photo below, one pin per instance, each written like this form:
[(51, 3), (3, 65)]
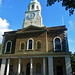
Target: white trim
[(54, 42), (6, 47), (32, 44)]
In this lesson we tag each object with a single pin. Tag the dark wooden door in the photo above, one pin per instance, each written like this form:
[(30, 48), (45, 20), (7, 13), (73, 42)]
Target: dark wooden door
[(28, 69), (59, 70)]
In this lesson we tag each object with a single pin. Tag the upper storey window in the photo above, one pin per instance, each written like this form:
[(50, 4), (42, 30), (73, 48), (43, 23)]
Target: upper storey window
[(57, 44), (8, 47), (38, 44), (38, 7), (32, 6), (22, 46), (30, 44)]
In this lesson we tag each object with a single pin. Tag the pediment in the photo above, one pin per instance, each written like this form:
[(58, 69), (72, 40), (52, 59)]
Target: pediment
[(31, 28)]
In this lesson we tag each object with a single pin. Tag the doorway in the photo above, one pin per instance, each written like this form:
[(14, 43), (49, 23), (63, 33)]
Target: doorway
[(59, 70), (28, 69)]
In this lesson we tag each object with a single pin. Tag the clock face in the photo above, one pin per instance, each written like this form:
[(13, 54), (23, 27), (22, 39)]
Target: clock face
[(31, 15)]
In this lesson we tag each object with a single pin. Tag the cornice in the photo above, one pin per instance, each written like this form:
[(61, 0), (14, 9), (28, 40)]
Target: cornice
[(42, 54)]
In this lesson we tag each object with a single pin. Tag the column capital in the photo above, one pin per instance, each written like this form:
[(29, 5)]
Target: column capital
[(50, 56), (67, 56)]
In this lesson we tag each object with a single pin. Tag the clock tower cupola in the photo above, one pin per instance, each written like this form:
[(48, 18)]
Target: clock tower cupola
[(33, 15)]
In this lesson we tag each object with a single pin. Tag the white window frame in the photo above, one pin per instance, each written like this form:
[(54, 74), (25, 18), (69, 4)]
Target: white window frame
[(54, 42), (32, 44), (6, 47)]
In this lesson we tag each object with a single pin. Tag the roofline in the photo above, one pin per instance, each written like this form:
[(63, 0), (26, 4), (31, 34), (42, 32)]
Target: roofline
[(57, 26)]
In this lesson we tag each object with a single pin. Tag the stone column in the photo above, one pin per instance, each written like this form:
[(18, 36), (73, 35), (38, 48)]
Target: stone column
[(8, 67), (19, 67), (68, 65), (3, 64), (44, 66), (50, 65), (31, 67)]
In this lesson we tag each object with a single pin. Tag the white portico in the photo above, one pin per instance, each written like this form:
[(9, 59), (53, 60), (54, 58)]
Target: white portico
[(19, 65)]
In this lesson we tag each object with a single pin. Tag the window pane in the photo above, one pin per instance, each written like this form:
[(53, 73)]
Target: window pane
[(37, 7), (30, 44), (57, 44), (22, 45), (32, 6), (38, 45), (8, 47)]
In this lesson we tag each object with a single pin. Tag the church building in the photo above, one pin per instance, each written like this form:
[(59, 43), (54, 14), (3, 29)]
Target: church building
[(35, 49)]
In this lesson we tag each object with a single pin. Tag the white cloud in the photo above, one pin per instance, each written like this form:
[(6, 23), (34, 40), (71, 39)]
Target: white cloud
[(3, 27), (71, 24), (71, 41), (0, 2)]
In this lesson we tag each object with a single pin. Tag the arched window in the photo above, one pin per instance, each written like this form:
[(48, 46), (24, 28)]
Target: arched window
[(38, 68), (57, 44), (32, 6), (30, 44), (8, 47), (22, 46), (37, 7), (38, 45)]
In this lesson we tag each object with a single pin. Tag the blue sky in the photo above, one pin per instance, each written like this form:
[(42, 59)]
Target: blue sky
[(12, 14)]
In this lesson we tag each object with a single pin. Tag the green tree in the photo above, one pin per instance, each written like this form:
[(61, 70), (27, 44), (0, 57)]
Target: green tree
[(0, 46), (68, 4), (73, 62)]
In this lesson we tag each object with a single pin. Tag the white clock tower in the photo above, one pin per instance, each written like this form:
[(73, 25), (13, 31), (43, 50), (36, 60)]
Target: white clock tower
[(33, 15)]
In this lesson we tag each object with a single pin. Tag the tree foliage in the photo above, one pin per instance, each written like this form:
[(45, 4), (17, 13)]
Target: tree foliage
[(73, 62), (68, 4), (0, 46)]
